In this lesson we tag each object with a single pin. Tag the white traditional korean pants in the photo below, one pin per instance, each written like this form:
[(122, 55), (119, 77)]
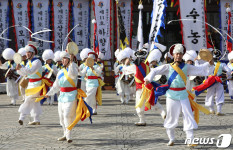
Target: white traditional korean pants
[(12, 90), (29, 106), (217, 90), (123, 90), (140, 111), (67, 114), (174, 107), (230, 87), (91, 98)]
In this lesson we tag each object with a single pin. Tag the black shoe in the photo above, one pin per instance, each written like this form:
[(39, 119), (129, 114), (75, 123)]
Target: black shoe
[(20, 122), (69, 141)]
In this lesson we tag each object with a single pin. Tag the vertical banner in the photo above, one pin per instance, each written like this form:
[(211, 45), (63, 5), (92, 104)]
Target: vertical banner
[(140, 28), (158, 16), (126, 13), (61, 16), (20, 8), (224, 20), (102, 10), (194, 32), (81, 19), (40, 16), (4, 22)]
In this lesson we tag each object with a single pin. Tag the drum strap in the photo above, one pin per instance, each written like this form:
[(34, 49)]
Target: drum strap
[(216, 68), (48, 67)]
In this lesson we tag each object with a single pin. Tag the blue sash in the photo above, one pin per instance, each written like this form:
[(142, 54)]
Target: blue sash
[(161, 90), (62, 74)]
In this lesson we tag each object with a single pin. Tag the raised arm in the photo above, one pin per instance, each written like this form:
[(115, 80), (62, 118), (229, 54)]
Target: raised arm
[(73, 71), (161, 70), (200, 70), (36, 65)]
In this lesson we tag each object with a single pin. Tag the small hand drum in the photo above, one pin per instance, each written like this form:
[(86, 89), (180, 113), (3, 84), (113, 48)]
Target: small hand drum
[(205, 55), (72, 48), (89, 62), (157, 77), (192, 77), (17, 58)]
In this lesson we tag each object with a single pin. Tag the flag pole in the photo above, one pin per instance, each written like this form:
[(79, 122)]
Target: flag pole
[(118, 31)]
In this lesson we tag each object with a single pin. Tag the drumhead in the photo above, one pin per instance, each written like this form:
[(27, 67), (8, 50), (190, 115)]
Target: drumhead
[(90, 62), (17, 58), (72, 48), (192, 77), (205, 55), (157, 77)]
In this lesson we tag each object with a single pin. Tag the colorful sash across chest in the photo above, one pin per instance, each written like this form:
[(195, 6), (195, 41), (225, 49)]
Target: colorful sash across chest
[(161, 90), (83, 110), (45, 83), (209, 82), (141, 71), (148, 91), (195, 107)]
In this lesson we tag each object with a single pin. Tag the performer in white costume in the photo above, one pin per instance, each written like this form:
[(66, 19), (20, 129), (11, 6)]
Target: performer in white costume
[(83, 56), (58, 60), (189, 58), (92, 74), (217, 88), (117, 68), (137, 72), (48, 66), (11, 87), (230, 82), (123, 88), (132, 58), (33, 71), (176, 96), (22, 52), (67, 101), (153, 59)]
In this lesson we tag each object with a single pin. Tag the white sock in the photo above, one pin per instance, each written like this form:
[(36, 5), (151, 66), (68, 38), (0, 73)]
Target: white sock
[(171, 134), (219, 107)]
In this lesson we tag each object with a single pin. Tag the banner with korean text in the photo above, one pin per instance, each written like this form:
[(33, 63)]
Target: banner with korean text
[(4, 22), (126, 13), (61, 16), (194, 28), (224, 20), (158, 16), (41, 21), (102, 10), (81, 19), (21, 20)]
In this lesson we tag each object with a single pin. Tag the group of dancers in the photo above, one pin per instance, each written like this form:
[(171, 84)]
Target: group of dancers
[(140, 74), (174, 78)]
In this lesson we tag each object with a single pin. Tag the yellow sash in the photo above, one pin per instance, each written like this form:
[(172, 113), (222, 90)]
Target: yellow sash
[(35, 90), (145, 95), (48, 67), (196, 107), (216, 68), (81, 105), (99, 89), (9, 64)]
